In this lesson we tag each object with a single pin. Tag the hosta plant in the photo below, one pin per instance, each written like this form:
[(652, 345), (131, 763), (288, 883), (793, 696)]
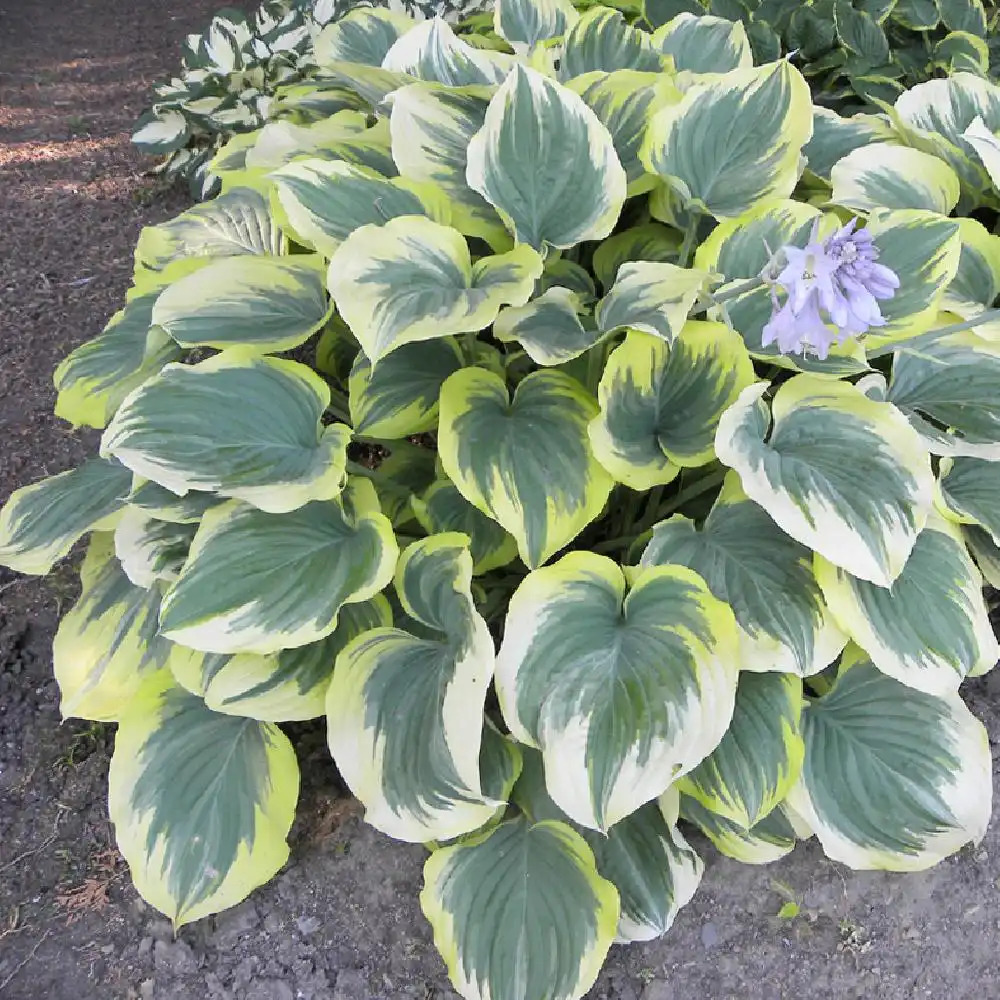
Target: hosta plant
[(604, 439), (228, 83), (859, 53), (242, 72)]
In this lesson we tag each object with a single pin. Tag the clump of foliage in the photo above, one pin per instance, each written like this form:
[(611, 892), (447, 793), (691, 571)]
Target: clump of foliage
[(858, 54), (599, 434), (240, 73), (229, 80)]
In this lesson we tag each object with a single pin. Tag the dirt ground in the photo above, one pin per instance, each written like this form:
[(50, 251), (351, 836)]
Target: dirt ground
[(342, 921)]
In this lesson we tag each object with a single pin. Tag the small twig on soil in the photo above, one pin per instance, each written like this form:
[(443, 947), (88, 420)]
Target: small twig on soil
[(14, 925), (27, 854), (27, 958)]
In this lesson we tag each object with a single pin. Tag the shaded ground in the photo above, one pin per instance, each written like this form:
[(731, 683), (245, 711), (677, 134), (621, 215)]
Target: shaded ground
[(342, 921)]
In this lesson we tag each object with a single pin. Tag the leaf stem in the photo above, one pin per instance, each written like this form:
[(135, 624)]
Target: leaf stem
[(690, 235), (652, 508), (629, 510), (733, 291), (339, 405), (931, 335), (704, 485), (356, 469)]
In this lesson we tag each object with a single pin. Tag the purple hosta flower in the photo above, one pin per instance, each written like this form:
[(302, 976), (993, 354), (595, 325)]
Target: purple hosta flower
[(836, 283)]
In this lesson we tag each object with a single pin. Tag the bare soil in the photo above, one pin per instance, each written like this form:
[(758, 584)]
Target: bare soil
[(342, 921)]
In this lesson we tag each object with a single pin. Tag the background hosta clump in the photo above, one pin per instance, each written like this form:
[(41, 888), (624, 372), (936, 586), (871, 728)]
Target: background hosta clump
[(858, 54), (235, 76), (595, 479), (244, 71)]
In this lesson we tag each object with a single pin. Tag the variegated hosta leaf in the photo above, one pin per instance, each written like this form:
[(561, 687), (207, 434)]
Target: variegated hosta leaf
[(326, 200), (661, 405), (363, 35), (269, 303), (236, 223), (443, 508), (986, 146), (560, 272), (432, 51), (935, 115), (622, 694), (280, 142), (500, 763), (431, 127), (960, 51), (400, 397), (525, 23), (107, 655), (766, 116), (159, 502), (976, 284), (553, 328), (967, 16), (950, 391), (191, 428), (652, 866), (369, 149), (371, 83), (772, 838), (651, 298), (625, 101), (287, 686), (924, 250), (764, 575), (841, 473), (495, 901), (985, 551), (257, 582), (931, 629), (40, 523), (548, 165), (970, 490), (303, 103), (603, 40), (526, 462), (759, 759), (93, 379), (150, 549), (704, 44), (644, 855), (833, 137), (405, 712), (160, 132), (885, 176), (652, 242), (409, 469), (894, 778), (229, 163), (666, 205), (413, 279), (202, 804), (146, 280), (336, 350)]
